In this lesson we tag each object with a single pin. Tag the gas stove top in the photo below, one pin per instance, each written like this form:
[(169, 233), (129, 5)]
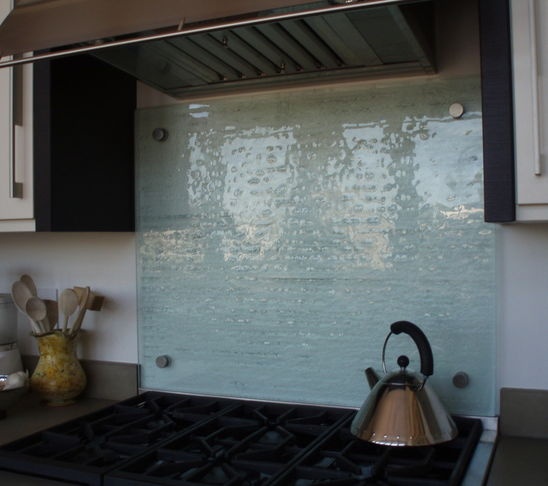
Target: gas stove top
[(168, 439)]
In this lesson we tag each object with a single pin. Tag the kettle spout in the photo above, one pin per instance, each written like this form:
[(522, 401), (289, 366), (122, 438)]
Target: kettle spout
[(372, 377)]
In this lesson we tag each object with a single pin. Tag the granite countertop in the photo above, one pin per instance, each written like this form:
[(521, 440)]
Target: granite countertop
[(107, 383), (522, 446), (519, 460), (28, 415)]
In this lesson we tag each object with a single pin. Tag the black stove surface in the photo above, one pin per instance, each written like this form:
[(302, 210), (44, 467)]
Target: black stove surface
[(168, 439), (86, 448), (342, 459)]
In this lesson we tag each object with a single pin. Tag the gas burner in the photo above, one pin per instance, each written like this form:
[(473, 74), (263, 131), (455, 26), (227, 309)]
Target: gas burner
[(339, 460)]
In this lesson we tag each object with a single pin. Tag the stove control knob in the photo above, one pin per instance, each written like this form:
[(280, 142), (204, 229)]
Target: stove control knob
[(163, 361)]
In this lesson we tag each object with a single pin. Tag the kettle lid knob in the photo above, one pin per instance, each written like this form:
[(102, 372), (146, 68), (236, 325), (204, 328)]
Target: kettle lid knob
[(403, 361)]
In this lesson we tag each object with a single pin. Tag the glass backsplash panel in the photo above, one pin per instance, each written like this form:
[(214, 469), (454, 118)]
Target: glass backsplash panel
[(280, 234)]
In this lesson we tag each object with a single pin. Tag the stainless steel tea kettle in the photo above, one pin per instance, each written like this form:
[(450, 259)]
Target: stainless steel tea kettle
[(401, 409)]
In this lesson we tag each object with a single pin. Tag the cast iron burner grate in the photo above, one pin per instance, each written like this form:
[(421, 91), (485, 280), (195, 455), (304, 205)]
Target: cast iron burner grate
[(84, 449), (247, 445), (168, 439), (343, 460)]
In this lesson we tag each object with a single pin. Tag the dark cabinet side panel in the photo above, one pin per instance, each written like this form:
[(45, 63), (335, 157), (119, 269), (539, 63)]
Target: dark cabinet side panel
[(84, 179), (497, 103)]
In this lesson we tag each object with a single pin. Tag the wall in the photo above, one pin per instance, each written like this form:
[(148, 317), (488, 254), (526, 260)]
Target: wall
[(104, 261), (523, 306)]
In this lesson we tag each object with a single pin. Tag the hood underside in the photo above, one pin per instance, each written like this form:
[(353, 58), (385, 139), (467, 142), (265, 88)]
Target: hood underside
[(182, 47)]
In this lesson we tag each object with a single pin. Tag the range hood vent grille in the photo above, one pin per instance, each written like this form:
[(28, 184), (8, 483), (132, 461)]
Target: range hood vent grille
[(289, 45)]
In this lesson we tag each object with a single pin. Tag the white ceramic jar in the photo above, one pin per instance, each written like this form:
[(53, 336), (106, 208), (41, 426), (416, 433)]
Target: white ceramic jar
[(8, 320)]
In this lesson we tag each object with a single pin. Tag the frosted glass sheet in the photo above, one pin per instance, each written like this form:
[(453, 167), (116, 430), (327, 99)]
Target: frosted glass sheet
[(279, 236)]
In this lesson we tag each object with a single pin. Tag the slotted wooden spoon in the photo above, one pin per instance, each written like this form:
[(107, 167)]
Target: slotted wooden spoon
[(68, 303)]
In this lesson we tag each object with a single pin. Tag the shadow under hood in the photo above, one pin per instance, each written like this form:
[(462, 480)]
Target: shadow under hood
[(192, 49)]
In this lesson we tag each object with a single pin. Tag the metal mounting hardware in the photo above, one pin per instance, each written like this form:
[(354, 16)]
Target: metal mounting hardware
[(160, 134), (461, 379), (163, 361), (456, 110)]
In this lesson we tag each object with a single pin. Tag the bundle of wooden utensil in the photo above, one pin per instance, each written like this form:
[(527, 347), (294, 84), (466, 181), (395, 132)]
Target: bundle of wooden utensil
[(47, 315)]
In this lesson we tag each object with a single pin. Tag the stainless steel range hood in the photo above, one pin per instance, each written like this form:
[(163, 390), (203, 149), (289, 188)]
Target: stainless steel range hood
[(182, 47)]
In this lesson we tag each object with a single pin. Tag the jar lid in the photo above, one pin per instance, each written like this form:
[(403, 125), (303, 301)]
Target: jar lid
[(6, 299)]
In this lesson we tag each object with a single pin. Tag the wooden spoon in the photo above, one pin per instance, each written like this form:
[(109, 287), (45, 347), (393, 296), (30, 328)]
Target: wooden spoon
[(20, 294), (29, 282), (37, 311), (53, 313), (84, 301), (68, 302), (94, 301)]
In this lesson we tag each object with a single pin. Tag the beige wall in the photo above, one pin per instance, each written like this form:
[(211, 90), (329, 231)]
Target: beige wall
[(104, 261)]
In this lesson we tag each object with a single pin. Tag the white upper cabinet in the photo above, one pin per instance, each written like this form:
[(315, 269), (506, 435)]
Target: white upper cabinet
[(530, 77), (16, 177)]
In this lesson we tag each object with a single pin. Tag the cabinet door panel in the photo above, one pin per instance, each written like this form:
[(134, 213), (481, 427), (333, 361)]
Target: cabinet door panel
[(530, 68), (16, 184)]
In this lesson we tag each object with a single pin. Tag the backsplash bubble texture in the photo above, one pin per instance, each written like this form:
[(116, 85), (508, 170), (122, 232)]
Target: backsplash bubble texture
[(280, 234)]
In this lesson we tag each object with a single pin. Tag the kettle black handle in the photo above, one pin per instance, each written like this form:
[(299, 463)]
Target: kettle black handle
[(425, 351)]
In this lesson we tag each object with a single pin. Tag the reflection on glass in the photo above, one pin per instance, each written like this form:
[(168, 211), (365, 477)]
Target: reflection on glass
[(281, 234)]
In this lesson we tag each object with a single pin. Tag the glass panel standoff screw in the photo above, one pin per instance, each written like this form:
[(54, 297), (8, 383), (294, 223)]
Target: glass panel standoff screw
[(461, 379), (160, 134), (456, 110), (163, 361)]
